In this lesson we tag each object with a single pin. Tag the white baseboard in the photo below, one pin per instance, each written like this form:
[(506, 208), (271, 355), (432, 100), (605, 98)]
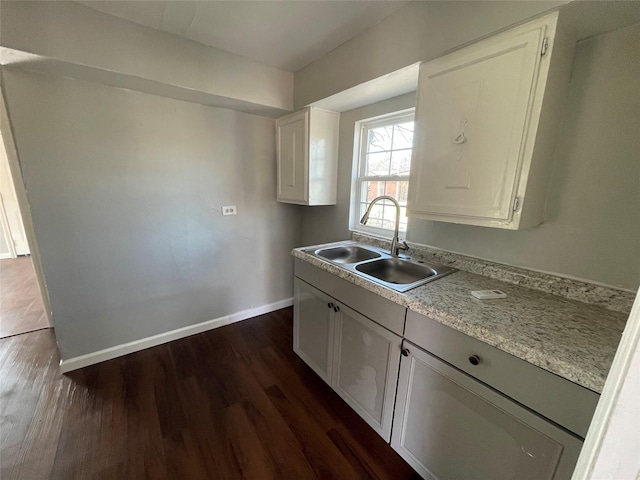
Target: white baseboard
[(137, 345)]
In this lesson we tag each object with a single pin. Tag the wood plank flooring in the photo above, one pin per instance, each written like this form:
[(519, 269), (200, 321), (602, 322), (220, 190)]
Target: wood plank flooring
[(235, 402), (21, 308)]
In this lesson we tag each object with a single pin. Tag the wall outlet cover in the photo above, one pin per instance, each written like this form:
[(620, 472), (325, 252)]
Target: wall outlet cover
[(229, 210)]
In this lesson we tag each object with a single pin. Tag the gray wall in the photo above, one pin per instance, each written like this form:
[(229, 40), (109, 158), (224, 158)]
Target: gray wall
[(592, 230), (125, 190)]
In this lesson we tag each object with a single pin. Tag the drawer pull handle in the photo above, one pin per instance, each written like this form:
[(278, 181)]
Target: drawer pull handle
[(330, 305), (474, 359), (405, 352), (336, 309)]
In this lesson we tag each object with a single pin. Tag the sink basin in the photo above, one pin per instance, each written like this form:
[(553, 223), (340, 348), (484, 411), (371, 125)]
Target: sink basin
[(347, 254), (401, 275), (396, 271)]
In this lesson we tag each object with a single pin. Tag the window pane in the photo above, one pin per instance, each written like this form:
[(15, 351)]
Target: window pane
[(384, 216), (402, 189), (397, 189), (376, 215), (400, 162), (379, 139), (371, 190), (387, 153), (378, 164), (383, 213), (403, 135)]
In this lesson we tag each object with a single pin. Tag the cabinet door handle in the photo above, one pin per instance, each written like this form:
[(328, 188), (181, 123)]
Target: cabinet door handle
[(336, 309), (474, 359), (330, 305), (405, 352)]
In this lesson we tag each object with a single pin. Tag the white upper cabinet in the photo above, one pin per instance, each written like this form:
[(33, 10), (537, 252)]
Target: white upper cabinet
[(487, 120), (307, 147)]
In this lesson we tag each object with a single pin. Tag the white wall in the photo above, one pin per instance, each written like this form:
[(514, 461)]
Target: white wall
[(125, 190), (592, 230)]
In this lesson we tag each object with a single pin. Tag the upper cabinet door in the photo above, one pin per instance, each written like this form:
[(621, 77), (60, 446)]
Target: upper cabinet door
[(293, 158), (477, 117), (307, 144)]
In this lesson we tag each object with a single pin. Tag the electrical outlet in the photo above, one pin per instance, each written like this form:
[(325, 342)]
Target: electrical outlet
[(229, 210)]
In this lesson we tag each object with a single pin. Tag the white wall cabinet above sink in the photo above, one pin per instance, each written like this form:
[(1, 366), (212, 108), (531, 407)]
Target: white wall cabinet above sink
[(307, 149), (487, 121)]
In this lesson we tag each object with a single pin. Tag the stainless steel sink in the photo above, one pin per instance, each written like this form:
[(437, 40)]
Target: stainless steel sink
[(401, 274), (398, 273), (394, 270), (347, 254)]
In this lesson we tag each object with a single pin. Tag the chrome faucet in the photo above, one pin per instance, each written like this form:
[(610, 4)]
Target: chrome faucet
[(395, 247)]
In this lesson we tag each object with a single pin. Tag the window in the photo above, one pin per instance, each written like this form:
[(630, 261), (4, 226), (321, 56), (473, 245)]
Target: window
[(383, 165)]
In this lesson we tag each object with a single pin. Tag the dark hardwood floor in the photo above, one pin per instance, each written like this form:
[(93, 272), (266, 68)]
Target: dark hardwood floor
[(21, 308), (235, 402)]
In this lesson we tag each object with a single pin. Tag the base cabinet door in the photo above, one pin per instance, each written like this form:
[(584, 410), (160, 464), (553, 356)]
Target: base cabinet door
[(448, 426), (313, 328), (366, 363)]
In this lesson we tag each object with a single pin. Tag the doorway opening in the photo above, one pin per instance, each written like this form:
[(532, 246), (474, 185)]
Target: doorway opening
[(22, 309)]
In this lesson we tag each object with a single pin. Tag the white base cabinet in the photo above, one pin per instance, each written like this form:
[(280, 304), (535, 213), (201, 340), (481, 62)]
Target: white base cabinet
[(358, 358), (313, 325), (452, 406), (449, 426), (365, 373)]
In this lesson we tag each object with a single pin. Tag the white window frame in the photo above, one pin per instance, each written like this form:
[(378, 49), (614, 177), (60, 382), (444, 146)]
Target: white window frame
[(359, 151)]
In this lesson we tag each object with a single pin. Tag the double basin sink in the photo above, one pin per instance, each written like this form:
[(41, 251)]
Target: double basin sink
[(398, 273)]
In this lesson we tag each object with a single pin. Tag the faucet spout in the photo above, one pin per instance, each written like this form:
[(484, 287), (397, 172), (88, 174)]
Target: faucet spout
[(396, 245)]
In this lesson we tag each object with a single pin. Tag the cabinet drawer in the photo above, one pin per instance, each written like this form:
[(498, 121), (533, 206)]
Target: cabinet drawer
[(554, 397), (382, 311)]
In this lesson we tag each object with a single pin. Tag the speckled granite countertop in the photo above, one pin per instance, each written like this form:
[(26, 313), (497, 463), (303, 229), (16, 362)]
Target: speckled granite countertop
[(572, 339)]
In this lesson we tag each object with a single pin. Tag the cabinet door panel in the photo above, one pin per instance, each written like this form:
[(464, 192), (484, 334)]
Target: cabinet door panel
[(366, 368), (293, 138), (449, 426), (471, 124), (313, 328)]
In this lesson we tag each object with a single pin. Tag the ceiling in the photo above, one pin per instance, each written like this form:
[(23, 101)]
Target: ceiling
[(284, 34)]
